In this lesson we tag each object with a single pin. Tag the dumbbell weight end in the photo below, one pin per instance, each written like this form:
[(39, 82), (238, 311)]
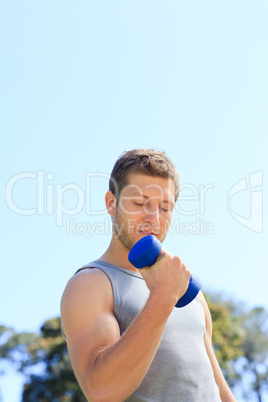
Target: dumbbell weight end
[(145, 252)]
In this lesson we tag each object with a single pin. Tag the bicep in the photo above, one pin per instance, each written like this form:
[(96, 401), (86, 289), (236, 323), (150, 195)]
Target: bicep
[(88, 321), (84, 348)]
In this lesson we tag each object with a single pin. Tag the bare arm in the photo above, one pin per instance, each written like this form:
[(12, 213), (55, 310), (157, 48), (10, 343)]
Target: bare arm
[(110, 367), (225, 392)]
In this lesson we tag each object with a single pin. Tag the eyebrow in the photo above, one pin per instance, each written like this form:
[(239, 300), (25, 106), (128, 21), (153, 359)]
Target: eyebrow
[(147, 197)]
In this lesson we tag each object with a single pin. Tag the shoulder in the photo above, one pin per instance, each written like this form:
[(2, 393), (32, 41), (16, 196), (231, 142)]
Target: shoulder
[(86, 293), (86, 281)]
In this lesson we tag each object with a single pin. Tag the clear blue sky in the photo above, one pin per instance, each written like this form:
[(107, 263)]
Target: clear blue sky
[(83, 81)]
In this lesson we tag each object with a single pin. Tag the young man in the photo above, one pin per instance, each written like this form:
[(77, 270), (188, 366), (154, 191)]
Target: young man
[(126, 340)]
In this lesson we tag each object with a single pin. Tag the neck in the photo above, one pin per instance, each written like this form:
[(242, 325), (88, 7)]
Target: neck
[(117, 254)]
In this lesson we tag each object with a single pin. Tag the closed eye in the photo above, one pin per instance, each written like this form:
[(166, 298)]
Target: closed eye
[(166, 210)]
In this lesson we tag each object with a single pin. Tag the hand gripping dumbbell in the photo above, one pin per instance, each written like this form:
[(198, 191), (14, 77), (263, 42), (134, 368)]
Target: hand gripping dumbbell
[(145, 252)]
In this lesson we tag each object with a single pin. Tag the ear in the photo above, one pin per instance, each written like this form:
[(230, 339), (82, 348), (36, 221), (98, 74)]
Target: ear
[(110, 202)]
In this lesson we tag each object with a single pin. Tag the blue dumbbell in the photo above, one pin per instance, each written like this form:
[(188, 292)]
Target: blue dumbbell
[(145, 252)]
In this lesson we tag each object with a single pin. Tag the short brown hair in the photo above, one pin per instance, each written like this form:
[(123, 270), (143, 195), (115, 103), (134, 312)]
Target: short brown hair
[(150, 162)]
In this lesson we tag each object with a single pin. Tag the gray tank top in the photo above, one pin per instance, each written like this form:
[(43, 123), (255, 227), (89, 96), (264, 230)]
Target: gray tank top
[(181, 370)]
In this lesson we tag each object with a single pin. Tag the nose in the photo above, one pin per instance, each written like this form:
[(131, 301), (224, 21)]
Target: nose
[(152, 214)]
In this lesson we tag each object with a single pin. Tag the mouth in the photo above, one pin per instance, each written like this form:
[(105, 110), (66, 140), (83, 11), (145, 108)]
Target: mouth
[(145, 233)]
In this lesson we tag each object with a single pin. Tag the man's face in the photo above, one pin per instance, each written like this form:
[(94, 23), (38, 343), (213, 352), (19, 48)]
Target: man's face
[(145, 207)]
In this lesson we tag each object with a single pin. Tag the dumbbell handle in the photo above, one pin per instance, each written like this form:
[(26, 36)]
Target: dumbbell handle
[(145, 252)]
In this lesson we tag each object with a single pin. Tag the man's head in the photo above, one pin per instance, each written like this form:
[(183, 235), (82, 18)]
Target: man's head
[(143, 190), (149, 162)]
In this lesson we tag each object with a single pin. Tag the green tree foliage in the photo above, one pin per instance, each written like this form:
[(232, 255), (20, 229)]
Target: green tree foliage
[(250, 371), (255, 351), (14, 347), (45, 362)]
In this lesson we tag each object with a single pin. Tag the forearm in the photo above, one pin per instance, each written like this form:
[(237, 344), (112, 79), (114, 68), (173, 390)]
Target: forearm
[(229, 397), (226, 394), (120, 368)]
